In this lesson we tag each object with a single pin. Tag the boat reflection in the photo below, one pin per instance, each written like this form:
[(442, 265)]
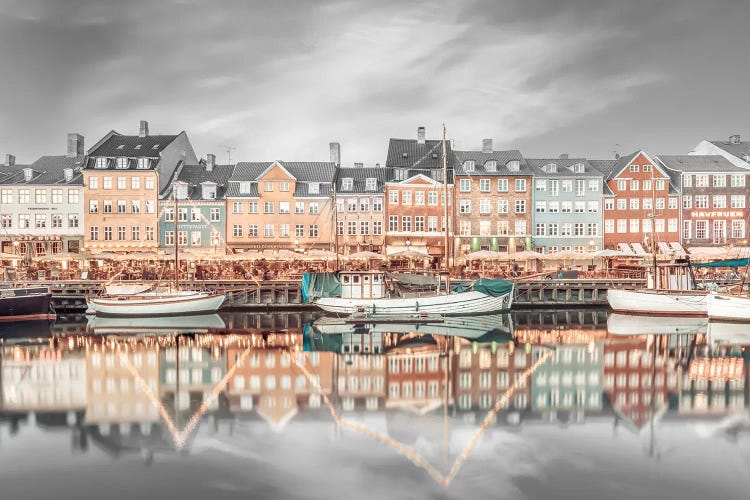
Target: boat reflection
[(196, 323), (631, 324), (427, 392)]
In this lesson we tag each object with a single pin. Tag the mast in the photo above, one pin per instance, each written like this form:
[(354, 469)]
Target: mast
[(653, 226), (445, 206), (176, 241), (335, 216)]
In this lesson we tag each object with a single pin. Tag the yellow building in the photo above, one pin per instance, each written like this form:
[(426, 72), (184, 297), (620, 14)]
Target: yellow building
[(123, 179)]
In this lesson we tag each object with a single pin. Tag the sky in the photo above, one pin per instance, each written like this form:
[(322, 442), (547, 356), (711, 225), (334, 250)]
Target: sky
[(279, 80)]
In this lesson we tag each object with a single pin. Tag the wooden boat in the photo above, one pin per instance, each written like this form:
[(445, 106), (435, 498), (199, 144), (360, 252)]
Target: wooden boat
[(633, 324), (727, 307), (25, 304)]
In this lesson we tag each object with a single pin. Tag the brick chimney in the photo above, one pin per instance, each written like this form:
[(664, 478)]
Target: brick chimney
[(210, 162), (564, 156), (420, 135), (734, 139), (75, 145), (10, 160), (335, 149), (486, 145), (143, 132)]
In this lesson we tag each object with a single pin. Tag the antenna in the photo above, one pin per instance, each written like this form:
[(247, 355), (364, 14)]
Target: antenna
[(229, 149)]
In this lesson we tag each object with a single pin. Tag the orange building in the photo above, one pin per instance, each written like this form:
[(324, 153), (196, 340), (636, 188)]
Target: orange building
[(636, 187), (280, 205)]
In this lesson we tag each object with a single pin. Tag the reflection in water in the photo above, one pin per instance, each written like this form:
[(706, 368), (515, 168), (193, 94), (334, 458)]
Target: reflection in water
[(146, 389)]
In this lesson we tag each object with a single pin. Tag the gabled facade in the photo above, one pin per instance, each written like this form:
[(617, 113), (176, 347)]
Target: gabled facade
[(41, 205), (494, 195), (201, 208), (124, 177), (714, 199), (567, 205), (635, 187), (736, 151), (280, 205), (415, 214), (360, 211)]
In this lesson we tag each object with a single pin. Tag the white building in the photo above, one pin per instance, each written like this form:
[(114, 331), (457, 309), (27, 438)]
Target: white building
[(41, 205)]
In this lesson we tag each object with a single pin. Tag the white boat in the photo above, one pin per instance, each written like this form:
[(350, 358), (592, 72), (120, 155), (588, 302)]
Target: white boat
[(734, 332), (632, 324), (369, 292), (670, 291), (726, 307), (155, 304)]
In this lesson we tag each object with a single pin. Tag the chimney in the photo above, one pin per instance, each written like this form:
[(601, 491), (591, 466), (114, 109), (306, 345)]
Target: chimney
[(75, 145), (143, 132), (486, 145), (377, 165), (210, 162), (734, 139), (10, 160), (564, 156), (335, 149), (359, 165), (617, 156), (420, 135)]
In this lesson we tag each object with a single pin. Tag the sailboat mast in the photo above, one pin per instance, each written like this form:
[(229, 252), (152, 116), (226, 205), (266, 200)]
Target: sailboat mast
[(335, 216), (653, 226), (445, 201), (176, 242)]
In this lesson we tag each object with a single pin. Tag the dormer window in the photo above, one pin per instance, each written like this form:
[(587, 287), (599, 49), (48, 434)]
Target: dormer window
[(490, 165), (347, 184), (137, 147), (245, 187), (371, 184), (513, 165), (469, 166), (121, 146), (550, 168), (101, 162), (181, 190), (68, 174), (142, 163), (208, 191), (27, 174), (122, 163), (578, 168), (314, 188), (156, 146)]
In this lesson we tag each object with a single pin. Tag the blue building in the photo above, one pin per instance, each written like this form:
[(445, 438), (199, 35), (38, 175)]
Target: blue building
[(201, 208), (571, 379), (567, 205)]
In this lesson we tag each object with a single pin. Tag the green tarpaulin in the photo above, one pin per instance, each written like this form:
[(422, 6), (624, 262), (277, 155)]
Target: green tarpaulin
[(315, 285), (491, 287), (724, 263)]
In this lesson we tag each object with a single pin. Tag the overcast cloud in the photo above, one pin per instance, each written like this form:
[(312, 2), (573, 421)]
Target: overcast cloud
[(280, 79)]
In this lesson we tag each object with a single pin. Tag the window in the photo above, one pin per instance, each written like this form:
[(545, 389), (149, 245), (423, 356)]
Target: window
[(609, 226), (135, 233), (406, 223), (567, 207), (634, 168), (738, 180), (541, 207), (313, 230), (182, 214), (672, 225), (107, 206), (464, 185), (364, 227), (609, 204), (738, 201), (135, 206), (40, 221), (245, 187), (720, 201), (635, 225), (122, 163), (371, 184), (135, 183), (687, 180), (142, 163), (108, 233), (284, 187), (94, 233), (418, 223), (540, 185), (377, 204), (352, 228), (540, 230), (484, 185), (464, 206), (268, 230), (738, 229), (313, 206), (553, 207), (502, 185), (93, 206), (503, 228), (237, 231), (121, 183), (592, 229), (464, 228), (40, 196), (107, 183), (484, 206), (634, 185), (351, 204), (687, 201), (687, 232), (252, 231), (553, 229), (566, 229), (377, 228), (268, 186), (520, 227), (392, 223), (149, 233), (701, 201), (720, 180), (283, 230), (406, 197), (393, 197), (673, 203), (520, 185), (634, 203), (150, 182), (567, 186), (121, 233), (283, 207), (215, 215), (593, 207), (252, 207), (520, 206), (469, 165), (580, 187), (299, 230), (73, 220), (432, 198), (622, 185), (622, 225), (364, 203), (701, 180), (268, 207), (237, 207), (101, 163)]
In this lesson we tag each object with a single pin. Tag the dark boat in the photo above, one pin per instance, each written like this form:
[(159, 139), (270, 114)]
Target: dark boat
[(25, 304)]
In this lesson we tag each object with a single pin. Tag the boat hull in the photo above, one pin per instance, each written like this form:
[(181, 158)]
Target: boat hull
[(25, 304), (667, 303), (458, 304), (158, 305), (728, 308)]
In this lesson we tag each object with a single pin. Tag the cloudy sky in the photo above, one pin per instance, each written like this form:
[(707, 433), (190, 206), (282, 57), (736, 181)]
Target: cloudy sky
[(280, 79)]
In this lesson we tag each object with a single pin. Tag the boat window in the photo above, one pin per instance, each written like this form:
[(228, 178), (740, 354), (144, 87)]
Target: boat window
[(366, 279), (355, 279), (346, 279), (376, 278)]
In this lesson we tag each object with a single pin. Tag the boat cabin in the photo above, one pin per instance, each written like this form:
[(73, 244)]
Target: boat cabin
[(674, 275), (362, 284)]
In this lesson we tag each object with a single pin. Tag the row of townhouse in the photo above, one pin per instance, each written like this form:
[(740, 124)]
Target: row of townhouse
[(119, 196)]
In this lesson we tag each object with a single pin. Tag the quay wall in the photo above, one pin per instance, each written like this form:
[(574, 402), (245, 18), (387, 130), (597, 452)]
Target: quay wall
[(70, 296)]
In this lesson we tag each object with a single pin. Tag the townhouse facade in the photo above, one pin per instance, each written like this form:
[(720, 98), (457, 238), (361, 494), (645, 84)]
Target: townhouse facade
[(201, 208), (637, 190), (190, 380), (494, 201), (567, 210), (124, 177), (571, 379), (713, 199), (416, 373), (280, 205), (360, 209), (41, 204)]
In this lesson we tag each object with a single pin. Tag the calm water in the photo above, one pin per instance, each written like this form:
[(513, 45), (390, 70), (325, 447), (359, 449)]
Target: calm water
[(542, 404)]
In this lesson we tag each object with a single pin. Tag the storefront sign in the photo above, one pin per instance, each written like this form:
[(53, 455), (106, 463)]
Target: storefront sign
[(717, 213)]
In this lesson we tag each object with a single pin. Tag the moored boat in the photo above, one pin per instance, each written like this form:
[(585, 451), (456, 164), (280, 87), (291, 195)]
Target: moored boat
[(155, 303), (726, 307), (25, 304)]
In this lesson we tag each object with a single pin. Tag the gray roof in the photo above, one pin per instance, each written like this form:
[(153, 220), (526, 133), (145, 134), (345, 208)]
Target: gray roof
[(409, 153), (563, 167), (360, 176), (194, 175), (305, 172), (605, 167), (47, 170), (740, 149), (501, 157), (132, 146), (699, 163)]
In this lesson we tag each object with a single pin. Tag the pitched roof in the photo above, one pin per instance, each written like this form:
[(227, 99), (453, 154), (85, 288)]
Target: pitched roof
[(132, 146), (194, 175), (411, 154), (501, 157), (47, 170), (740, 149), (563, 167), (360, 176), (303, 171), (699, 163)]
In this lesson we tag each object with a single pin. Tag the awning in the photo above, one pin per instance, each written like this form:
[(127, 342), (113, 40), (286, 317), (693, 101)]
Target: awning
[(724, 263)]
